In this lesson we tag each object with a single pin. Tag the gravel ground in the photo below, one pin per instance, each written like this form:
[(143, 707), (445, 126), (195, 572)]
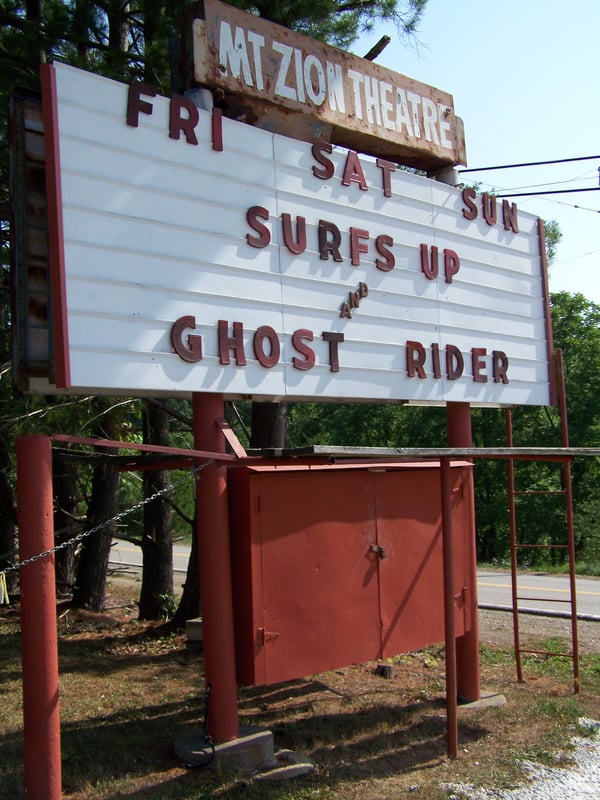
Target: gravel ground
[(580, 781), (496, 629)]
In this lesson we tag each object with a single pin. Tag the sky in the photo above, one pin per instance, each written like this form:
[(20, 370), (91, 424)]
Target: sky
[(525, 77)]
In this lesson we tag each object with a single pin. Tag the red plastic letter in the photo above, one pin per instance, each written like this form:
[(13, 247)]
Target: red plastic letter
[(356, 246), (455, 363), (326, 245), (353, 171), (429, 267), (386, 167), (298, 338), (235, 343), (451, 264), (135, 104), (253, 215), (388, 260), (499, 366), (262, 333), (297, 245), (468, 195), (334, 339), (415, 360), (177, 123), (327, 169), (478, 355), (189, 349)]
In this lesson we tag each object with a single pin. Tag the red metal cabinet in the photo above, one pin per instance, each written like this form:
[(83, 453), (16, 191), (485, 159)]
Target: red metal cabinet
[(338, 565)]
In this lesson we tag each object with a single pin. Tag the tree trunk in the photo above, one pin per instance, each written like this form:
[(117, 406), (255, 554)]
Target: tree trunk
[(269, 425), (65, 526), (33, 14), (117, 15), (81, 29), (156, 597), (189, 605), (90, 586)]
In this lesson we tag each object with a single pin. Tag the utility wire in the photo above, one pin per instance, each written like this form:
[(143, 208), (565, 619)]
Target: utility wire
[(530, 164), (585, 175), (555, 191)]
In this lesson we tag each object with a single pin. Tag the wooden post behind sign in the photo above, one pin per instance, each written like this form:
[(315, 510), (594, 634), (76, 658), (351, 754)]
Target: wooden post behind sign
[(467, 646), (215, 573), (39, 640)]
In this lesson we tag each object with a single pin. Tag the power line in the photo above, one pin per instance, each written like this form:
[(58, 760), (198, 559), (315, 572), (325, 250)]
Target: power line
[(550, 184), (554, 191), (530, 164)]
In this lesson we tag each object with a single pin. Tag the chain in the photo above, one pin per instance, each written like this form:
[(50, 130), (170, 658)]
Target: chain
[(208, 742), (113, 521)]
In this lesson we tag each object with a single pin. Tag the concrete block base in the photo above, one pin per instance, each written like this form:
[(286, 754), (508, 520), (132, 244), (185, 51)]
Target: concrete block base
[(251, 752), (289, 765), (194, 630), (487, 700)]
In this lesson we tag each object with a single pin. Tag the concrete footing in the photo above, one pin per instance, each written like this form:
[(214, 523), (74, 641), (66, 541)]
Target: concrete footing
[(487, 700), (194, 630), (251, 754)]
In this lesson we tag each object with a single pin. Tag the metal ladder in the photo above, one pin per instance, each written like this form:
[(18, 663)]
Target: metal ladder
[(569, 545)]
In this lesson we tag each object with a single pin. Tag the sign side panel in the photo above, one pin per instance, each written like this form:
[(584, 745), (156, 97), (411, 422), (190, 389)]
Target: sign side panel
[(58, 293), (548, 313)]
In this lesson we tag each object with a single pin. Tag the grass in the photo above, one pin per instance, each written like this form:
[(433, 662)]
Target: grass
[(128, 689)]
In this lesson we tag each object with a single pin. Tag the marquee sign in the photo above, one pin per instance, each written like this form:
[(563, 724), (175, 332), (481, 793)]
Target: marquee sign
[(350, 101), (191, 253)]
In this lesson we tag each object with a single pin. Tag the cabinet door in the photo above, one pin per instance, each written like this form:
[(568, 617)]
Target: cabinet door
[(339, 567), (319, 582), (409, 529)]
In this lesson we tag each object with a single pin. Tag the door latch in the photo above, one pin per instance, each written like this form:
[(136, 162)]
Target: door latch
[(379, 550), (265, 636)]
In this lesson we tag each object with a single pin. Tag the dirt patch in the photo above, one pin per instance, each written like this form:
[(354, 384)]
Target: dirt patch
[(496, 629)]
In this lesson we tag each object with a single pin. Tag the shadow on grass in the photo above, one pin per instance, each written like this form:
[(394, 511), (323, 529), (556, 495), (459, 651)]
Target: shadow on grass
[(128, 753), (353, 745), (388, 746)]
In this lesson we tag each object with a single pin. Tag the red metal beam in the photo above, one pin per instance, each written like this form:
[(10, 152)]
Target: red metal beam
[(458, 417), (215, 573), (450, 635), (217, 455), (39, 638)]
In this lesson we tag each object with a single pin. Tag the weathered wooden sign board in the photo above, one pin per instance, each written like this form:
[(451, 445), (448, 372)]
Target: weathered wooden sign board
[(286, 82)]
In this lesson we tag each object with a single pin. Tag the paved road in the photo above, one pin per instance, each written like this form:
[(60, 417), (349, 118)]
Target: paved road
[(494, 586), (126, 554)]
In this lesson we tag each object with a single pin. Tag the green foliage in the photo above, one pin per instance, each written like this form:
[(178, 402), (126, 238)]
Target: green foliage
[(365, 425), (337, 21), (553, 237)]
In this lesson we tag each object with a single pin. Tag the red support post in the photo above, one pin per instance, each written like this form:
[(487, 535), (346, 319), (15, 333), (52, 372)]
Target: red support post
[(215, 573), (449, 610), (458, 417), (39, 639)]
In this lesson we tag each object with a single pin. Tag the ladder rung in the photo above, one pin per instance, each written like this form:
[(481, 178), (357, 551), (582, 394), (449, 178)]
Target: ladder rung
[(545, 599)]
